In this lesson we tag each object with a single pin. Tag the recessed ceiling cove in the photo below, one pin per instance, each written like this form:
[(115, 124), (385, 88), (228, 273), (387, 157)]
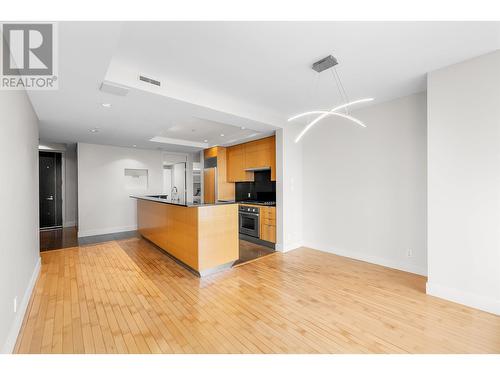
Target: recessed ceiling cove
[(245, 77)]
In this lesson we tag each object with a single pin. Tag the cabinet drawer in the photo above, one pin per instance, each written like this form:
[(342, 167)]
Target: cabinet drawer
[(270, 221), (268, 233), (268, 212)]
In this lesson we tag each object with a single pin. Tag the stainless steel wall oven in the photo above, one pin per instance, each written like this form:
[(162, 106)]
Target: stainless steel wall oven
[(249, 221)]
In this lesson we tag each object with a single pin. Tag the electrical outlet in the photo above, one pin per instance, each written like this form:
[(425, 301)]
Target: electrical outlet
[(15, 304), (409, 253)]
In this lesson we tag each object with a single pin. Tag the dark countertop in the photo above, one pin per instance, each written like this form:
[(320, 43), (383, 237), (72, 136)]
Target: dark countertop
[(255, 203), (179, 203), (246, 203)]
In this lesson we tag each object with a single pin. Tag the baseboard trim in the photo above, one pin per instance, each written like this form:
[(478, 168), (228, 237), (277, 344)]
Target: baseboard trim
[(371, 259), (464, 298), (291, 246), (287, 247), (98, 232), (10, 343)]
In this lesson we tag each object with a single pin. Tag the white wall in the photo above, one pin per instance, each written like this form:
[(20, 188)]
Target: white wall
[(104, 205), (19, 241), (289, 223), (464, 182), (365, 188), (182, 180), (189, 177), (179, 173), (167, 181)]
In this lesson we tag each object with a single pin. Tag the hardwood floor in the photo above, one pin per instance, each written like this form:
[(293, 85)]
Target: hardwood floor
[(63, 238), (127, 297), (59, 238), (250, 251)]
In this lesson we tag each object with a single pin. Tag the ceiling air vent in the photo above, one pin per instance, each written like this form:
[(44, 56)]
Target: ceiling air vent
[(113, 88), (150, 80)]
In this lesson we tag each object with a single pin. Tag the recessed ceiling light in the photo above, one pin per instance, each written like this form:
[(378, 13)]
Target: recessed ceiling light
[(106, 105), (94, 130), (222, 135), (242, 128), (205, 140), (134, 145)]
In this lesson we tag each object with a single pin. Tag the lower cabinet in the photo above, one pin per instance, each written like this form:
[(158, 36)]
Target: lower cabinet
[(268, 233), (268, 224)]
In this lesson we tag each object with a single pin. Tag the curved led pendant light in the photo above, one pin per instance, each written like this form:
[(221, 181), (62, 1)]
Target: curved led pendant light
[(324, 114), (319, 66)]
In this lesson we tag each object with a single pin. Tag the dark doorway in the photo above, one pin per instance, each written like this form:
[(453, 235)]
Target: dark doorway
[(50, 174)]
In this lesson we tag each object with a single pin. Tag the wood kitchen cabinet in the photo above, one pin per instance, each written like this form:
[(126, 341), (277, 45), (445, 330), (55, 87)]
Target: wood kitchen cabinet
[(268, 224), (216, 186), (256, 154), (259, 154), (236, 164), (210, 152), (272, 142)]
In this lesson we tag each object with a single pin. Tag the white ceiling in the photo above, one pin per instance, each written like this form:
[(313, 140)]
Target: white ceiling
[(218, 77)]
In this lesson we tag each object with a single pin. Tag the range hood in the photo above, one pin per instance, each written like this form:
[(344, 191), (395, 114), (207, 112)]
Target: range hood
[(256, 169)]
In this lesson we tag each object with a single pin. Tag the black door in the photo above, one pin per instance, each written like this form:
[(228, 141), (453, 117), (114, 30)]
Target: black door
[(50, 189)]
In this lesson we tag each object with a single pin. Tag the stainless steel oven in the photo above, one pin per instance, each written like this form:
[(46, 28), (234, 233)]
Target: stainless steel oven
[(249, 221)]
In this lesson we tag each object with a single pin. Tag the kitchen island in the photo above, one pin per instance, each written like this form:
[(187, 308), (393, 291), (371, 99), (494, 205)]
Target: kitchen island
[(203, 237)]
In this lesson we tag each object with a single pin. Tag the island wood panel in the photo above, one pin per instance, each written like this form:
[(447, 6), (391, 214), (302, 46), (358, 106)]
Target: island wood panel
[(202, 237), (127, 297), (217, 235), (173, 228)]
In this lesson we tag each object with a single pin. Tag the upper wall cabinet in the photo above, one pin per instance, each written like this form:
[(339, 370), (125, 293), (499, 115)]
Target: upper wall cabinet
[(258, 154), (236, 164), (247, 156), (210, 152)]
